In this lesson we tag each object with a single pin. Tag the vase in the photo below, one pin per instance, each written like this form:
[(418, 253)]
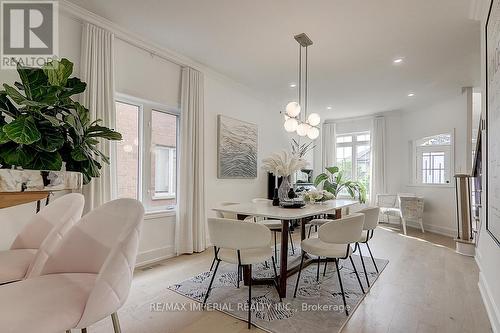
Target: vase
[(284, 189)]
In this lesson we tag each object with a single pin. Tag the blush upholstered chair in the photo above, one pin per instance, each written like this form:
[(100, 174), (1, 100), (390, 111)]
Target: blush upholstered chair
[(84, 279), (242, 244), (57, 218), (334, 242)]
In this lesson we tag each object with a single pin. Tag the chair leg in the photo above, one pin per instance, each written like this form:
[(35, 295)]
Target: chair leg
[(213, 261), (291, 241), (341, 286), (238, 278), (275, 245), (250, 298), (210, 285), (326, 264), (363, 263), (421, 221), (371, 255), (298, 275), (317, 271), (309, 233), (276, 284), (116, 323), (357, 275), (403, 222)]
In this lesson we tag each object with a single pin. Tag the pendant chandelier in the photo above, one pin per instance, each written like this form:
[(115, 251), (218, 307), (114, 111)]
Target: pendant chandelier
[(295, 121)]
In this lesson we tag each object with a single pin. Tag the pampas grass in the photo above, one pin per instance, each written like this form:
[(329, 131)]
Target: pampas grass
[(283, 164)]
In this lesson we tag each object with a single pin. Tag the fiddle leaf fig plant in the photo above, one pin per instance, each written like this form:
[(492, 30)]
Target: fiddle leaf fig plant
[(41, 126), (333, 181)]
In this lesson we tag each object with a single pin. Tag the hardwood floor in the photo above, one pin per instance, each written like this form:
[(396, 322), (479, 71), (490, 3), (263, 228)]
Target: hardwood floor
[(426, 287)]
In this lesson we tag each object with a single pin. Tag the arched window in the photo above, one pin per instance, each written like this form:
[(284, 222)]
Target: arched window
[(433, 162)]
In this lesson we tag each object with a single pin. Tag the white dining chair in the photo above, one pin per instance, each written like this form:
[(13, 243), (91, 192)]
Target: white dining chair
[(274, 225), (226, 215), (334, 242), (411, 209), (56, 218), (86, 278), (243, 244), (371, 222)]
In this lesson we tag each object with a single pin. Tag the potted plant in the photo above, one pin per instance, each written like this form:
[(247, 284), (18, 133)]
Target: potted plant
[(334, 182), (42, 127)]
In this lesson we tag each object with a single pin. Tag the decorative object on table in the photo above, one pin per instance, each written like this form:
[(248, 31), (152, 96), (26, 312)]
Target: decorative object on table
[(283, 164), (41, 127), (291, 194), (318, 196), (334, 182), (303, 124), (492, 168), (293, 203), (236, 148)]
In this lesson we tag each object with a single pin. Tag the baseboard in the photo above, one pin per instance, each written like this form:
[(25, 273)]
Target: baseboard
[(489, 303), (151, 256), (436, 229)]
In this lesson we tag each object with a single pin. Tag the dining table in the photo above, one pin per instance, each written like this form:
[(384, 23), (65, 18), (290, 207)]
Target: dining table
[(332, 208)]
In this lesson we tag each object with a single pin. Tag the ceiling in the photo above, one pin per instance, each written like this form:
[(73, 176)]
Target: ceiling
[(351, 61)]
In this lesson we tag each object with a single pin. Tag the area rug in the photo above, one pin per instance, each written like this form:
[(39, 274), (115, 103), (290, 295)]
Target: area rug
[(317, 308)]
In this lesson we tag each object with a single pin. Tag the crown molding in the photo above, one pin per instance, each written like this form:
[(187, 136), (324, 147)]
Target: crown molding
[(83, 15)]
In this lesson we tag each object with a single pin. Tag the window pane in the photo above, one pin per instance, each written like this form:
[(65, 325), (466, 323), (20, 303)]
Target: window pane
[(127, 151), (163, 160), (344, 161), (433, 168), (344, 139), (363, 166), (363, 137)]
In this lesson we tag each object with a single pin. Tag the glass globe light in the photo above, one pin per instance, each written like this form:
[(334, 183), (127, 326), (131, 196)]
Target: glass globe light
[(313, 133), (302, 129), (314, 119), (293, 109), (291, 124)]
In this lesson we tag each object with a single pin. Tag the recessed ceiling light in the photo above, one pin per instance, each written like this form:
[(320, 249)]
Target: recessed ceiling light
[(293, 85), (411, 95), (398, 60), (328, 107)]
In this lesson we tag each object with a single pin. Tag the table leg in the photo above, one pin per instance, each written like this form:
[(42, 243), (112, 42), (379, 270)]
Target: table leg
[(284, 258), (303, 229)]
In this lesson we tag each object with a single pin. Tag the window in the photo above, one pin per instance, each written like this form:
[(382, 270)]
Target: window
[(433, 159), (353, 157), (148, 151)]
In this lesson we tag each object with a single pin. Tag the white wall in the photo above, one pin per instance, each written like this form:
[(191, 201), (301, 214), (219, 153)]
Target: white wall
[(227, 98), (444, 117), (487, 251)]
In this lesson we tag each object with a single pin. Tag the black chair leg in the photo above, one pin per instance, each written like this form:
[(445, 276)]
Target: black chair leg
[(298, 275), (239, 277), (341, 286), (309, 233), (317, 270), (364, 267), (250, 298), (326, 264), (275, 245), (371, 255), (291, 241), (213, 261), (276, 284), (211, 282), (357, 275)]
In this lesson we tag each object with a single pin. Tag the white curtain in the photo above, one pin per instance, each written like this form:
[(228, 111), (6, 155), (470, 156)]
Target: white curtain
[(96, 69), (190, 231), (378, 160), (328, 145)]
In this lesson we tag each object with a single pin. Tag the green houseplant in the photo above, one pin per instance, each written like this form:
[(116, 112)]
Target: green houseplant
[(334, 182), (41, 126)]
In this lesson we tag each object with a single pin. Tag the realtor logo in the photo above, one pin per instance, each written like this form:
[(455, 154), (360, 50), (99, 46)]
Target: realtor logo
[(29, 32)]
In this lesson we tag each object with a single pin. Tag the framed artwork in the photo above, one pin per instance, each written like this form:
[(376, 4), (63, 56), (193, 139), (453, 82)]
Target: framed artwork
[(237, 146), (492, 34)]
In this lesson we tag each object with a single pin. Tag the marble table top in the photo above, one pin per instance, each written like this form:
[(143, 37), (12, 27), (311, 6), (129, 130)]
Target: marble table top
[(36, 180)]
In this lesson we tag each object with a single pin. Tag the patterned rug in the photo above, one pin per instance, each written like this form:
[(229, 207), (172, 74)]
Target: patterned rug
[(317, 308)]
